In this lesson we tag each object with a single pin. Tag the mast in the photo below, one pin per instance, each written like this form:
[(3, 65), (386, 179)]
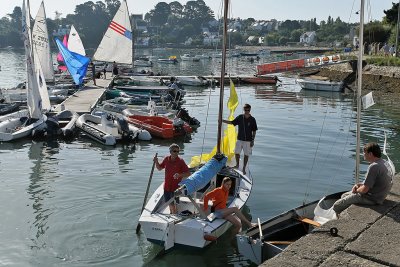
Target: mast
[(133, 37), (397, 29), (359, 86), (221, 92)]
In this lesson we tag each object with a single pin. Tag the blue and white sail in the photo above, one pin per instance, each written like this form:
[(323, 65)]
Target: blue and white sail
[(117, 44), (203, 176), (77, 64)]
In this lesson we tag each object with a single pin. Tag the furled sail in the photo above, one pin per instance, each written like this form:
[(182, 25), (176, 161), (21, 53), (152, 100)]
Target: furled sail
[(200, 178), (34, 101), (41, 44), (77, 64), (116, 44), (230, 135), (75, 43)]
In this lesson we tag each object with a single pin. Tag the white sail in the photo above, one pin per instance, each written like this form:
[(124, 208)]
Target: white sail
[(34, 100), (41, 80), (75, 43), (41, 43), (116, 44)]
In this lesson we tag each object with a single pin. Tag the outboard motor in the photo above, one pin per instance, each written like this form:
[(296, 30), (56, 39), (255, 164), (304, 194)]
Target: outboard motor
[(123, 127), (50, 129), (184, 115)]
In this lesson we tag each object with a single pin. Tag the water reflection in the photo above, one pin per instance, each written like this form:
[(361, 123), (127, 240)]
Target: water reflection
[(40, 186)]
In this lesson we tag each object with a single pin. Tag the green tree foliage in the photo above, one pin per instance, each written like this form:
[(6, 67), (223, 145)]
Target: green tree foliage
[(391, 14), (376, 32), (159, 15), (176, 22)]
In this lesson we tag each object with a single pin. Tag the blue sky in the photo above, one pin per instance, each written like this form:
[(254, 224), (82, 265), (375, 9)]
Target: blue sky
[(258, 9)]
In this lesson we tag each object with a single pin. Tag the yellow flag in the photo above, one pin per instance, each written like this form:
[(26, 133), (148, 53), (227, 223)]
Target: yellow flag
[(229, 140)]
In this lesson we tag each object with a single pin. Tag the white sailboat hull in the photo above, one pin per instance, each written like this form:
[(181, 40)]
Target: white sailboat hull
[(171, 230), (16, 128)]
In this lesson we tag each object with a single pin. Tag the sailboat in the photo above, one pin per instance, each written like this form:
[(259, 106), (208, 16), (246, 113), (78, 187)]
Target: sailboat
[(75, 43), (19, 127), (272, 236), (190, 227), (117, 44)]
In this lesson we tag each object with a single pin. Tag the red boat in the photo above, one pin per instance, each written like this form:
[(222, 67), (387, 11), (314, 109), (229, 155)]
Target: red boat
[(159, 126)]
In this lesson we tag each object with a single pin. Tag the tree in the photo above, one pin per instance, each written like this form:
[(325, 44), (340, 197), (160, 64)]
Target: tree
[(159, 15), (391, 14)]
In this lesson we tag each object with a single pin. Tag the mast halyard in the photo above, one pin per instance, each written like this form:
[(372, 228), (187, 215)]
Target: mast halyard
[(359, 86), (221, 93)]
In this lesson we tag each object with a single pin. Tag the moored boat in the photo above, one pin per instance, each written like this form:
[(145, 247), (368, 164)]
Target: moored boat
[(274, 235), (103, 129), (320, 85), (191, 227), (159, 126)]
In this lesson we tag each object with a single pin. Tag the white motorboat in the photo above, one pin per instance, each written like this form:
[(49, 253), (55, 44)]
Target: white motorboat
[(320, 85), (192, 80), (188, 57), (105, 129), (116, 111)]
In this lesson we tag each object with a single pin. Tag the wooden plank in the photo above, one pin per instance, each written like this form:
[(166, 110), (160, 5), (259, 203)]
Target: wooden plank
[(85, 99), (309, 221)]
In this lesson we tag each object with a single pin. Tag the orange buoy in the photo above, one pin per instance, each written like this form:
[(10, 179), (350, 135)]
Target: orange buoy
[(325, 60), (316, 60), (335, 58)]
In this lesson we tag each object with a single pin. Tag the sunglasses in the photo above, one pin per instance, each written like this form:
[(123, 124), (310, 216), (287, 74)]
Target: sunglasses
[(174, 151), (246, 109)]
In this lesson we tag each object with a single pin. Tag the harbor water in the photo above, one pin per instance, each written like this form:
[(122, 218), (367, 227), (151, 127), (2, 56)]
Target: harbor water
[(77, 203)]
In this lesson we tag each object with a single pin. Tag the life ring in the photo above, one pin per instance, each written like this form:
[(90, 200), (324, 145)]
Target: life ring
[(335, 58), (316, 60), (325, 59)]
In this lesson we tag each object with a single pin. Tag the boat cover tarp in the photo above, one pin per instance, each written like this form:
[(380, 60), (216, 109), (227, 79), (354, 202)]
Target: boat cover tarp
[(200, 178), (77, 64)]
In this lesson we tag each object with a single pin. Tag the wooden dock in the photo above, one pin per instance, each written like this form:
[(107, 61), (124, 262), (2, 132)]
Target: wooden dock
[(85, 100)]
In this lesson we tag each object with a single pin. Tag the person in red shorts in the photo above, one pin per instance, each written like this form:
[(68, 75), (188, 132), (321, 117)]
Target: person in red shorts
[(175, 170)]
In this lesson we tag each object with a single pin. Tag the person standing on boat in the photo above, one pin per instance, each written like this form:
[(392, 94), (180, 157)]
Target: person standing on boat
[(93, 68), (219, 198), (175, 170), (246, 134), (376, 186), (115, 69)]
